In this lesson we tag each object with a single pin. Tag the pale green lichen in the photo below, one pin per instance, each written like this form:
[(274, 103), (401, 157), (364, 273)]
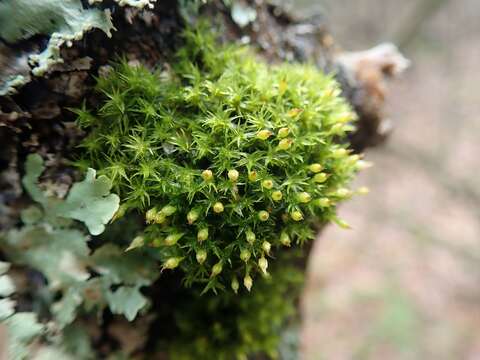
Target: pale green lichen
[(22, 327), (78, 280), (88, 201), (133, 3), (64, 21), (10, 84)]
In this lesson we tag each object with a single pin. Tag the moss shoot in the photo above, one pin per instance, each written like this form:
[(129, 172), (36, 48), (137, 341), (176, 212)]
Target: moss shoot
[(229, 159), (231, 327)]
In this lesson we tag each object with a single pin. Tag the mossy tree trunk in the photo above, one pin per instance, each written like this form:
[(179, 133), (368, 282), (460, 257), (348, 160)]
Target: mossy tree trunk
[(36, 119)]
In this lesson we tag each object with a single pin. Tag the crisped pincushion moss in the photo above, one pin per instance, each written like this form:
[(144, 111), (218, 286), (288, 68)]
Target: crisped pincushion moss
[(229, 158), (235, 327)]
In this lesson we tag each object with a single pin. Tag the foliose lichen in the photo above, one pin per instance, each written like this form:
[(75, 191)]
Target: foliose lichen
[(22, 327), (77, 280), (62, 22)]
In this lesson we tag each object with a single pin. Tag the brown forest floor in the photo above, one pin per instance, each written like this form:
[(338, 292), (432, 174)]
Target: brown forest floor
[(405, 282)]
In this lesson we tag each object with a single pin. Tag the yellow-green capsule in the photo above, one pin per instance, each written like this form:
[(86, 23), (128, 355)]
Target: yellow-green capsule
[(172, 239), (304, 197), (353, 159), (250, 237), (345, 117), (277, 195), (120, 212), (315, 168), (285, 144), (207, 175), (150, 215), (337, 129), (192, 216), (362, 165), (248, 282), (172, 263), (217, 269), (168, 210), (137, 242), (235, 285), (233, 175), (218, 207), (201, 256), (323, 202), (285, 239), (263, 264), (263, 215), (267, 184), (283, 132), (266, 246), (159, 218), (338, 153), (343, 192), (245, 255), (202, 234), (342, 223), (297, 215), (320, 178), (264, 134)]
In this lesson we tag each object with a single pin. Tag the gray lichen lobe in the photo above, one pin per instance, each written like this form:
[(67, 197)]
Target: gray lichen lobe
[(63, 22)]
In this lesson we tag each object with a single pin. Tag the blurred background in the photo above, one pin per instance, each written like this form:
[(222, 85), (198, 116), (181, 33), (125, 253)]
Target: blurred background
[(404, 283)]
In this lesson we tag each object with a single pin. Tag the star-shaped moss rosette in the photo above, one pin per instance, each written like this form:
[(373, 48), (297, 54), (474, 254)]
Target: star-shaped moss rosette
[(228, 158)]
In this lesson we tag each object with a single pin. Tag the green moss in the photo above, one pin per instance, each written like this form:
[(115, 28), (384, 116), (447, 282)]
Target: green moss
[(224, 154), (232, 327)]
